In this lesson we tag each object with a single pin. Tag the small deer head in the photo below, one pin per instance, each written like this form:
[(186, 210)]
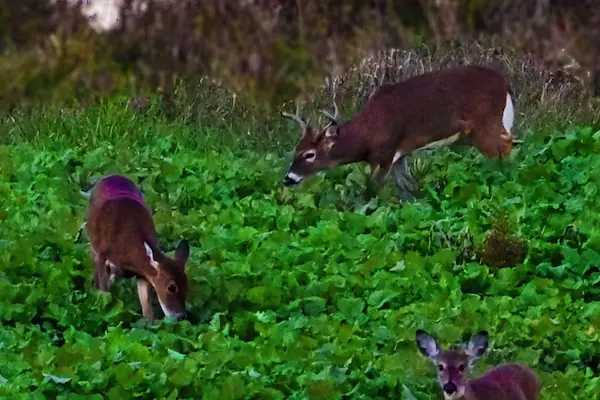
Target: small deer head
[(169, 280), (453, 363), (313, 151)]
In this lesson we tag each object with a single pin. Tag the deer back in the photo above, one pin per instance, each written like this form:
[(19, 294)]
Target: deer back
[(433, 106), (119, 222), (509, 381)]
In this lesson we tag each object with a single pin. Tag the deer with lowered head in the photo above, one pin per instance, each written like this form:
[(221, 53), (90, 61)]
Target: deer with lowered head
[(422, 112), (505, 382), (124, 244)]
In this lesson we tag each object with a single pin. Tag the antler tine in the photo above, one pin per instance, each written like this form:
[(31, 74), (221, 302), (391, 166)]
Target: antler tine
[(296, 117), (336, 113)]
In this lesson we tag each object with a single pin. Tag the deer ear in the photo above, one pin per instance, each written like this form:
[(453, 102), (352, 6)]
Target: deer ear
[(332, 131), (182, 252), (478, 344), (426, 344), (150, 255)]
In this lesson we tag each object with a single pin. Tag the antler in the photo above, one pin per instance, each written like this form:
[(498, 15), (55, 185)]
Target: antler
[(296, 117), (336, 113)]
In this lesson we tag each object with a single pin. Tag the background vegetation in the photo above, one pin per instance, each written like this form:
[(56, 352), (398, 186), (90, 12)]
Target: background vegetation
[(267, 50), (303, 293)]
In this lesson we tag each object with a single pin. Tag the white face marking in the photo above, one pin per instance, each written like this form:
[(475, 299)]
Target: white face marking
[(508, 117), (310, 155), (453, 396), (397, 156), (294, 177), (151, 256), (168, 312)]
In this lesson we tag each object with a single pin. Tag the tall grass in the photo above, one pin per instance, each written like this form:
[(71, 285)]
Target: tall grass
[(203, 114)]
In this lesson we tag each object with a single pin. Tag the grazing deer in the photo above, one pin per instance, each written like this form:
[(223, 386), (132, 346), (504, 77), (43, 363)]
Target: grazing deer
[(422, 112), (123, 244), (506, 382)]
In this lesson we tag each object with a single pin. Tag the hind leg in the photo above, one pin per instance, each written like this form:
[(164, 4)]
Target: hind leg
[(100, 278)]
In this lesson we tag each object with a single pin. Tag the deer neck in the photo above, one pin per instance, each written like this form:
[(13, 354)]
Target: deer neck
[(349, 147)]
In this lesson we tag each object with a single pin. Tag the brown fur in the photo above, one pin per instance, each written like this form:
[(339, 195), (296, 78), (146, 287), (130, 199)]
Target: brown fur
[(508, 381), (117, 228), (505, 382), (406, 116)]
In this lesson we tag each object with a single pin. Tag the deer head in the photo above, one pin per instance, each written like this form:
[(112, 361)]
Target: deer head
[(313, 151), (453, 363), (167, 277)]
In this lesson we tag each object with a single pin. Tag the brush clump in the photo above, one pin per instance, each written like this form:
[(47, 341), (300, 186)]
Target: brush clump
[(501, 248)]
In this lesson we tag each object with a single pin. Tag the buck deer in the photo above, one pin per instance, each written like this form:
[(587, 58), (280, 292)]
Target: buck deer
[(505, 382), (422, 112), (123, 244)]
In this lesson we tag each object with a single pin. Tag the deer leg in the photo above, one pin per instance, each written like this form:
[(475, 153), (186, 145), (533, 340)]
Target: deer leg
[(403, 184), (101, 277), (143, 287), (378, 175), (493, 141), (381, 172)]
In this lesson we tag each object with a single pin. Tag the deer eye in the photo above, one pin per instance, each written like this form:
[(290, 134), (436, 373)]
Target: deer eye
[(309, 155), (461, 367), (172, 288), (440, 367)]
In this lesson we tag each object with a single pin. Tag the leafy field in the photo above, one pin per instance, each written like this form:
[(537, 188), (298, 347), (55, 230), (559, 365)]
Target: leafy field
[(296, 293)]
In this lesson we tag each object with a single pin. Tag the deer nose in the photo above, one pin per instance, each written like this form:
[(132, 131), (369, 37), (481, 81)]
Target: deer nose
[(292, 178), (450, 388)]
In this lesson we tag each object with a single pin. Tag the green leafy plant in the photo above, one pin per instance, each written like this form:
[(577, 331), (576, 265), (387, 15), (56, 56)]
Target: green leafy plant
[(295, 293)]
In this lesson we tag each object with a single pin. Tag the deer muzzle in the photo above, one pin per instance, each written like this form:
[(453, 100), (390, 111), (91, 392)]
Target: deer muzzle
[(292, 179)]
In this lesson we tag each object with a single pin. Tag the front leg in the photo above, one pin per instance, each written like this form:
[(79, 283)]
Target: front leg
[(378, 174), (403, 182), (143, 287)]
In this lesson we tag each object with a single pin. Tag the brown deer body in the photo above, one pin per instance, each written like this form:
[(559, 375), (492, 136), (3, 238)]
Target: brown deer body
[(423, 112), (505, 382), (123, 244)]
